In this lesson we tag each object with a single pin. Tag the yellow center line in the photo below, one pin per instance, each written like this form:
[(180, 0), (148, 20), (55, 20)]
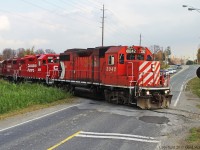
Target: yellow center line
[(63, 141)]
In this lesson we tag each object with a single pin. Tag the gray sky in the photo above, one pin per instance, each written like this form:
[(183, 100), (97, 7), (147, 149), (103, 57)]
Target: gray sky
[(64, 24)]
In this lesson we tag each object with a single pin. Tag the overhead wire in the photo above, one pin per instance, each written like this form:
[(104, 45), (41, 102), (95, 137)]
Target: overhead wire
[(32, 20), (110, 29), (83, 17), (79, 5), (55, 13), (109, 26), (74, 4), (123, 28), (98, 6)]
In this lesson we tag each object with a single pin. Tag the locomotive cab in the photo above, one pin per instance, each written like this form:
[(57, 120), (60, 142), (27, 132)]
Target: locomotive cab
[(48, 67), (123, 65)]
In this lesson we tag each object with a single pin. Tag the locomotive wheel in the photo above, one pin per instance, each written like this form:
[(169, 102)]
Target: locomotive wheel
[(72, 90), (121, 100), (124, 100), (112, 98), (107, 96)]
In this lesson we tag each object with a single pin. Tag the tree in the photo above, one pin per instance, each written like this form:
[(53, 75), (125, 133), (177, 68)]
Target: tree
[(159, 56), (40, 51), (198, 56), (168, 51), (1, 57), (20, 52), (29, 51), (8, 53), (49, 51), (46, 51), (189, 62)]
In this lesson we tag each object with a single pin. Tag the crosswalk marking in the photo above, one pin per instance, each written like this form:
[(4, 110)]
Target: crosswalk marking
[(119, 136)]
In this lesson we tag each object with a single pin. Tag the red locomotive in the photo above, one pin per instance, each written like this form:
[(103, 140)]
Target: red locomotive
[(122, 74), (125, 75), (31, 67)]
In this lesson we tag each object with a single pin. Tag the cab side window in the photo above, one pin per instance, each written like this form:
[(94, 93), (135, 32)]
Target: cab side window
[(39, 63), (121, 58), (111, 60), (44, 61), (50, 60), (149, 58)]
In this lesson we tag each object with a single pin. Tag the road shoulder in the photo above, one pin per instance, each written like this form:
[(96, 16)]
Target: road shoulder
[(175, 135)]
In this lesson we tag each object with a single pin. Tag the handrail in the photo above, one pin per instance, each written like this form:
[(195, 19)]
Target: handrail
[(131, 70)]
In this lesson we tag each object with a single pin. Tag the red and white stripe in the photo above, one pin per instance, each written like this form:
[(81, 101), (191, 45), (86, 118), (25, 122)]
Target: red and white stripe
[(147, 75)]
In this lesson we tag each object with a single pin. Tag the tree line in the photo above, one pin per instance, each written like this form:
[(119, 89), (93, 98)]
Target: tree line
[(21, 52), (164, 56)]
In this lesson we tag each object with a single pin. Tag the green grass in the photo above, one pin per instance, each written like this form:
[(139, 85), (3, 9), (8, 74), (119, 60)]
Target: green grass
[(194, 133), (18, 96), (194, 136), (194, 85)]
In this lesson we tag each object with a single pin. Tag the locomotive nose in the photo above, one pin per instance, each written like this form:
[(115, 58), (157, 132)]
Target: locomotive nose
[(149, 73)]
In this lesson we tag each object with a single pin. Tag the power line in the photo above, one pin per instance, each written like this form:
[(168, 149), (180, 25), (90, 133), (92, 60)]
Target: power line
[(53, 12), (75, 5), (30, 20)]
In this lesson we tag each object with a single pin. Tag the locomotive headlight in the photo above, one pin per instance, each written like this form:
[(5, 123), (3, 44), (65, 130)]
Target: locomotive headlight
[(153, 67), (147, 93), (166, 91)]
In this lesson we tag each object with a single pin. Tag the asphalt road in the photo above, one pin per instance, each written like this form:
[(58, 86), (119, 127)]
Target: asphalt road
[(93, 125), (179, 80)]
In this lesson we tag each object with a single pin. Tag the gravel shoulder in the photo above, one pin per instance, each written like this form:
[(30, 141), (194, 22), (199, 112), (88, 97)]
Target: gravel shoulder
[(188, 116)]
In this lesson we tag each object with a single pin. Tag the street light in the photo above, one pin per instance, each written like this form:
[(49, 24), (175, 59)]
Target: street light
[(190, 8)]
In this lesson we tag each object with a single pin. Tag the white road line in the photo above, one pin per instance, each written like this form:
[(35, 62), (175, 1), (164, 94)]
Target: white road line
[(37, 118), (176, 102), (178, 98), (118, 137), (116, 134)]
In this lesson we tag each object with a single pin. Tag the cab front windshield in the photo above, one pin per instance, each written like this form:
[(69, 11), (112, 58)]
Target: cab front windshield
[(131, 56)]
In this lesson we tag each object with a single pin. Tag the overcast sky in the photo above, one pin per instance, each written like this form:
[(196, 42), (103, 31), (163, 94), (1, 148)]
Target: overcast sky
[(64, 24)]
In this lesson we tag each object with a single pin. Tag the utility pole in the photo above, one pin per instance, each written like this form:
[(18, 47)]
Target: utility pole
[(103, 26), (140, 39)]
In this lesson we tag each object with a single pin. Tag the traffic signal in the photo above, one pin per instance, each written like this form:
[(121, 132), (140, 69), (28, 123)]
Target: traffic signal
[(198, 72)]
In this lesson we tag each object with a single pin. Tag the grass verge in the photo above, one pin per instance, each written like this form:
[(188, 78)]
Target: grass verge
[(15, 97), (194, 85), (193, 139)]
